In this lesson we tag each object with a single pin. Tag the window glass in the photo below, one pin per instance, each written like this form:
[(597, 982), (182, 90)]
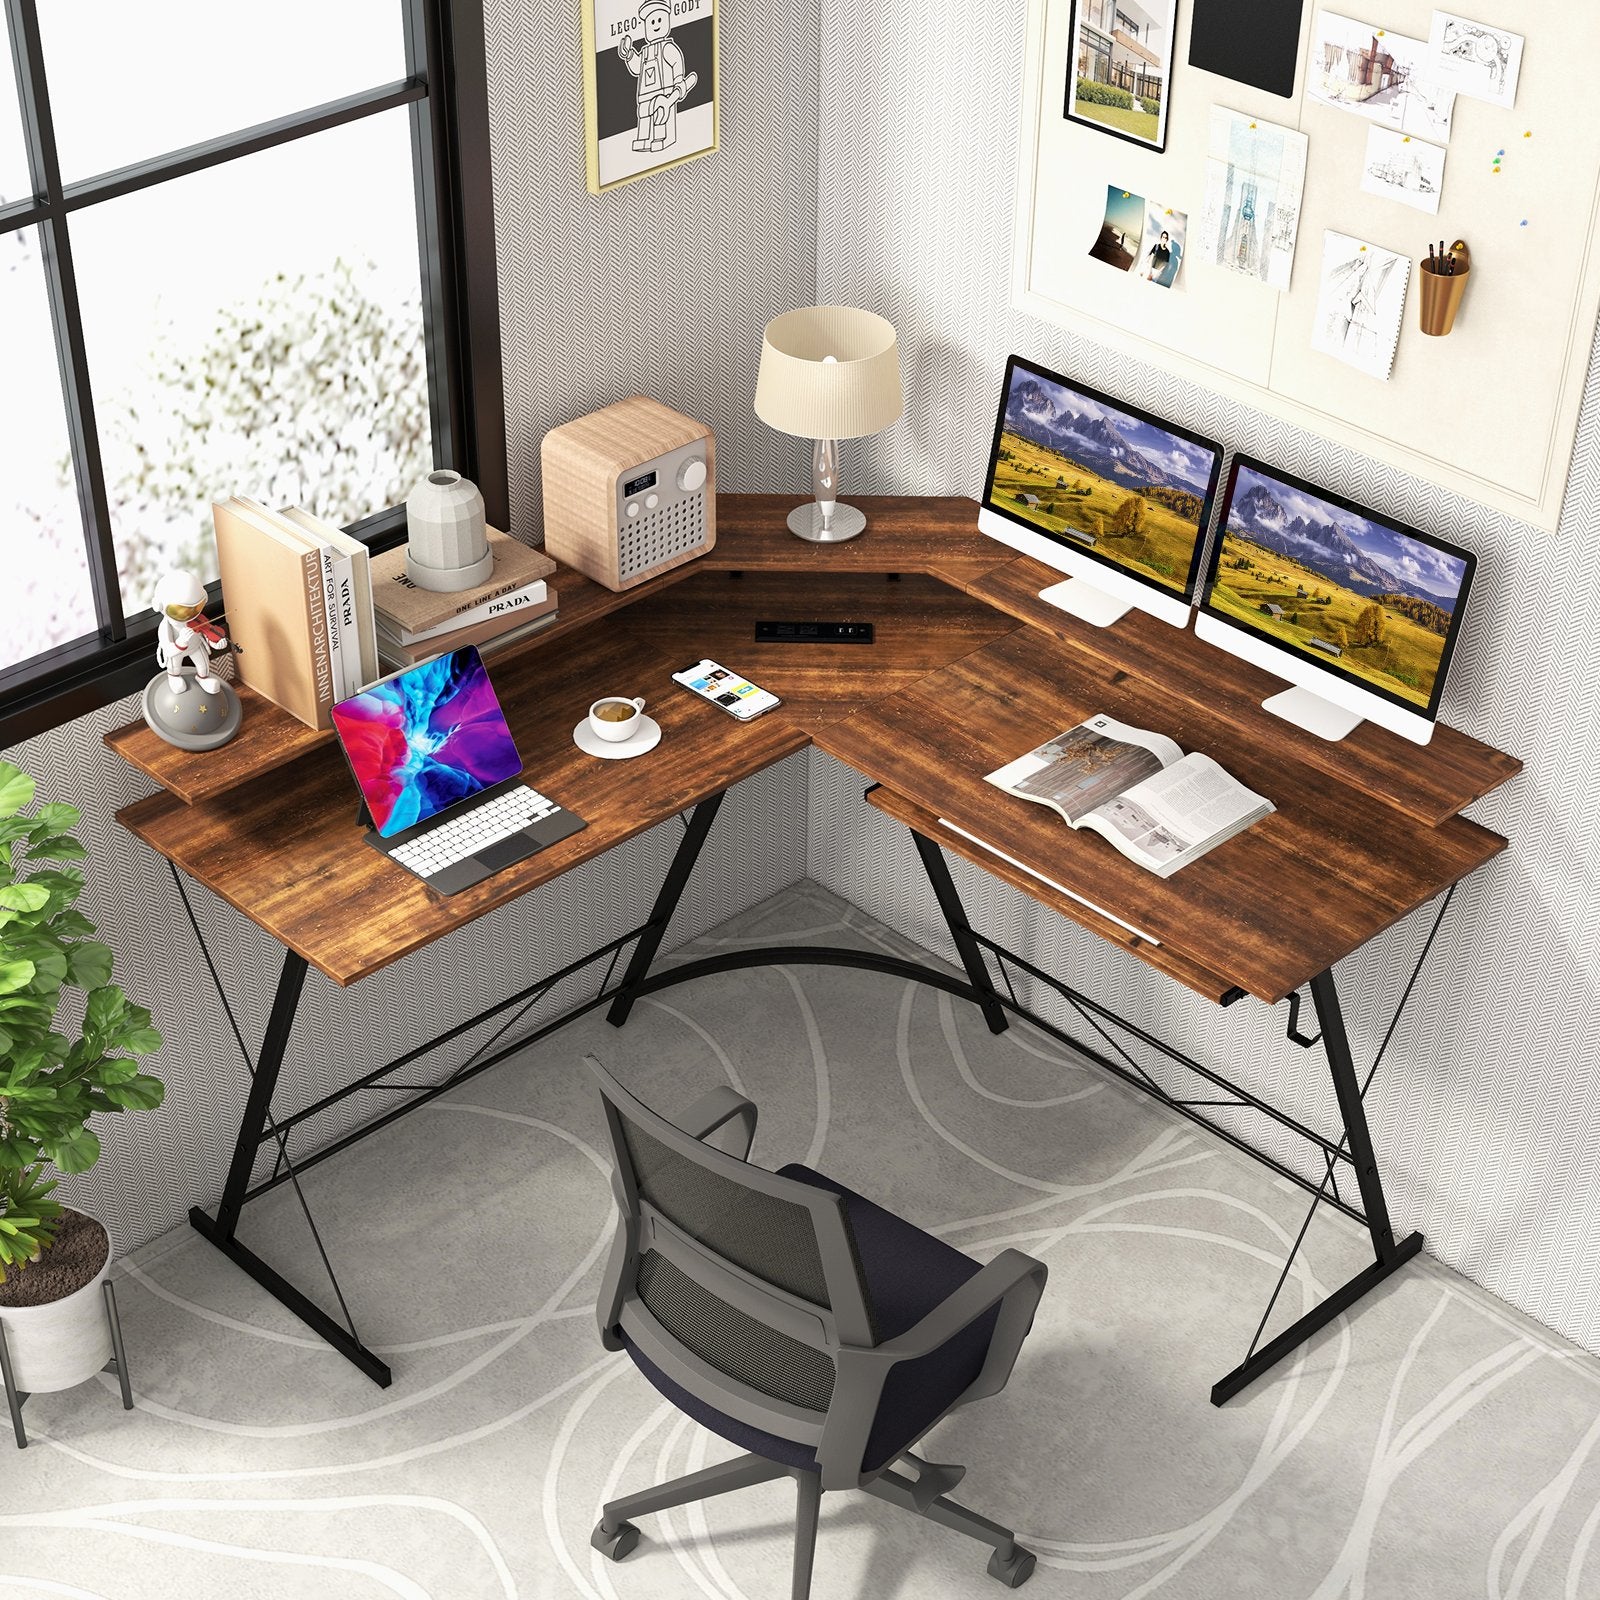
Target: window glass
[(256, 329), (45, 599), (14, 183), (132, 80)]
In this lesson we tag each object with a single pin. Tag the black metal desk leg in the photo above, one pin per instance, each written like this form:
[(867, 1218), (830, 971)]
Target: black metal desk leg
[(258, 1106), (672, 887), (1389, 1254), (1353, 1113), (955, 916), (254, 1130)]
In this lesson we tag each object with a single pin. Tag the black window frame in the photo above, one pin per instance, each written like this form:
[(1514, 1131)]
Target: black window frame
[(446, 93)]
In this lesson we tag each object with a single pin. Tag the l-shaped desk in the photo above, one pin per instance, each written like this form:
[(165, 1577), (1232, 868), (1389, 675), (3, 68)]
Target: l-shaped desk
[(969, 670)]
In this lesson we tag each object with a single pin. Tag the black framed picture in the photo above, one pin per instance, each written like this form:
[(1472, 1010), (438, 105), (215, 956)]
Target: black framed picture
[(1119, 71)]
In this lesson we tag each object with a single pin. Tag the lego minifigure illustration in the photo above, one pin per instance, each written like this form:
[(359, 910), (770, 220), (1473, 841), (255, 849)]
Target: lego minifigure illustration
[(186, 634), (663, 84)]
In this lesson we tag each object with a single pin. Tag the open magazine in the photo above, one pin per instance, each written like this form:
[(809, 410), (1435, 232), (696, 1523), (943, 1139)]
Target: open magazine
[(1159, 807)]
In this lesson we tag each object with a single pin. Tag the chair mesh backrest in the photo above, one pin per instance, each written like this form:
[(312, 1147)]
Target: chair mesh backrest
[(773, 1240), (769, 1238)]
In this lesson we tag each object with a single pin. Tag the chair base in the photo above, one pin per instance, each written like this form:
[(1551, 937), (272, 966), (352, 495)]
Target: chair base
[(1009, 1563)]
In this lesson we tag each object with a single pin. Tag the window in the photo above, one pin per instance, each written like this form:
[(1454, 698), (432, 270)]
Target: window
[(233, 259)]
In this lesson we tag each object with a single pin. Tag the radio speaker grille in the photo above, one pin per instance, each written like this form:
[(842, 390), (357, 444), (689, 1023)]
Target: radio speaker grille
[(647, 542)]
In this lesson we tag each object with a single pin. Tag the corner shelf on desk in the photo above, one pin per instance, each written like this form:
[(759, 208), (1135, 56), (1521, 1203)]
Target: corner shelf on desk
[(271, 738)]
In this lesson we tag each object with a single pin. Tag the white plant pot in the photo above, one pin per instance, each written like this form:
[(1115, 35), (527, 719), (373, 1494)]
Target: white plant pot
[(57, 1346), (447, 542)]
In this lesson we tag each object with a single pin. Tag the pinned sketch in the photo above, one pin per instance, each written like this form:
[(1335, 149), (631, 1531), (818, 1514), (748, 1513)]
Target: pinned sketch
[(1166, 233), (1360, 303), (1386, 77), (1474, 59), (1404, 169), (1255, 177)]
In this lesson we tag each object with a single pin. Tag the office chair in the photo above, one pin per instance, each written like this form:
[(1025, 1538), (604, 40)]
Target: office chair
[(800, 1321)]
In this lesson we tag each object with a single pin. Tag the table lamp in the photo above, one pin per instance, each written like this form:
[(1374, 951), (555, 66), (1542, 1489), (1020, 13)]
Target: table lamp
[(828, 373)]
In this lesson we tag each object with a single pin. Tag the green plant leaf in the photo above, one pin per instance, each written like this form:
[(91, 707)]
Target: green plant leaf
[(142, 1041), (18, 1152), (16, 789), (70, 924), (114, 1069), (103, 1009), (76, 1151), (62, 849), (143, 1093), (25, 896), (56, 817), (89, 964), (15, 975)]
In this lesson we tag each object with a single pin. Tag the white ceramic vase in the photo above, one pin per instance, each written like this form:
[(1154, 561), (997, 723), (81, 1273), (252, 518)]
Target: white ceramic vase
[(447, 544), (59, 1345)]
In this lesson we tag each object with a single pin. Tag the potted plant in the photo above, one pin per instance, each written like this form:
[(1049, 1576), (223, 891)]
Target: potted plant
[(52, 1259)]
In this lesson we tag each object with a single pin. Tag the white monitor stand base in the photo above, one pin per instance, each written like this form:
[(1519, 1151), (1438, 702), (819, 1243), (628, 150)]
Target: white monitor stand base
[(1308, 710), (1084, 601)]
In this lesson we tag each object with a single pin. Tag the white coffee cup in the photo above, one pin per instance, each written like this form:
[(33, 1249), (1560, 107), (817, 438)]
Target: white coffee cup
[(615, 729)]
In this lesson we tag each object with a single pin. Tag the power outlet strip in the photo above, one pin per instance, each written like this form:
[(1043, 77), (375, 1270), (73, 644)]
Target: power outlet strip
[(814, 633)]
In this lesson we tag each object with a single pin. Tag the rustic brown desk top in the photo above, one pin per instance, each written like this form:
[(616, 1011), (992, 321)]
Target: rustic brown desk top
[(967, 673)]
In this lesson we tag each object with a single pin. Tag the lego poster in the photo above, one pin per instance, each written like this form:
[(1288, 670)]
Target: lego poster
[(652, 91)]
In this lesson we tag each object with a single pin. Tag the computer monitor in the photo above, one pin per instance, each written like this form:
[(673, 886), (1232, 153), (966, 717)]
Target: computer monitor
[(1359, 612), (426, 738), (1101, 490)]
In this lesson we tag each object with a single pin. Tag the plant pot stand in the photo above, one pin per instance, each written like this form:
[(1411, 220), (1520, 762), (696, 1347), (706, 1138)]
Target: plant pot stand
[(118, 1364)]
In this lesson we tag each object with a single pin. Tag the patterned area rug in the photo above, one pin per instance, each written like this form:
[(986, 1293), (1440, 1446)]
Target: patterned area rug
[(1433, 1444)]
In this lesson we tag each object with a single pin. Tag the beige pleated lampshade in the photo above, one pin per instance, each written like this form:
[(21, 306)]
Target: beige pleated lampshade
[(800, 390)]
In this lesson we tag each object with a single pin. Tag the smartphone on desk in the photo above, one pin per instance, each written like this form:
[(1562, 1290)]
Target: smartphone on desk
[(737, 696)]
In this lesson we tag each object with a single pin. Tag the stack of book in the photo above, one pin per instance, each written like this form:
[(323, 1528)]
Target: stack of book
[(415, 623), (297, 596)]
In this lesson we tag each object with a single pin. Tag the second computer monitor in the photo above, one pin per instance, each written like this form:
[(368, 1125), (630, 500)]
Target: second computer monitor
[(1098, 489)]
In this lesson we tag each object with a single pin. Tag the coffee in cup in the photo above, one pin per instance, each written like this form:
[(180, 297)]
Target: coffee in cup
[(614, 718)]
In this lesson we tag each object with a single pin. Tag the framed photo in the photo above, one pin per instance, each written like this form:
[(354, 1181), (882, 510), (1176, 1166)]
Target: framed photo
[(1119, 71), (650, 86)]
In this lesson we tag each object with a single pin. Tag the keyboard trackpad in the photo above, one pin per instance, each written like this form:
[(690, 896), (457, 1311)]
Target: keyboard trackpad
[(504, 852)]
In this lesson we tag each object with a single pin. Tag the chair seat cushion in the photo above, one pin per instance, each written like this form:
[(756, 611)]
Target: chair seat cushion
[(907, 1274)]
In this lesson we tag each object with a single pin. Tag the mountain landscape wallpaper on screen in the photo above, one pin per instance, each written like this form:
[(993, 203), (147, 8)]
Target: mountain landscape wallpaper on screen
[(1349, 592), (1093, 476)]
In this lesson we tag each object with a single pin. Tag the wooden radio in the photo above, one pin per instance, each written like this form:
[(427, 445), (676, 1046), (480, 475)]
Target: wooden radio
[(629, 492)]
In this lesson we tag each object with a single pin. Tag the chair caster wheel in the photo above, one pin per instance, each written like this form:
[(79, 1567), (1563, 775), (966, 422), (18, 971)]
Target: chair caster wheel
[(615, 1546), (1016, 1571)]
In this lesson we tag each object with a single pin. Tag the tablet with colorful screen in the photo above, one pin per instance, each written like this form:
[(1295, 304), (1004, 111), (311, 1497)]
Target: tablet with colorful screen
[(426, 739)]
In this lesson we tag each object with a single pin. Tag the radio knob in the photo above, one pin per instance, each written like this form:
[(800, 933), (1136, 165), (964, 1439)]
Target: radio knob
[(651, 501), (633, 508), (692, 475)]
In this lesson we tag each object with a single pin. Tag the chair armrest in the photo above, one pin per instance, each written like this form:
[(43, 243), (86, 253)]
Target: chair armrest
[(715, 1108), (1012, 1281)]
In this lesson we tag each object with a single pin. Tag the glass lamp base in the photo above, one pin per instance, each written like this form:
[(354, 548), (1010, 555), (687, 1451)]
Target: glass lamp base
[(845, 523)]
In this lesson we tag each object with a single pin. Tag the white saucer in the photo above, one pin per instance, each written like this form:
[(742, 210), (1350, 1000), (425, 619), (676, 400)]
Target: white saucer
[(647, 738)]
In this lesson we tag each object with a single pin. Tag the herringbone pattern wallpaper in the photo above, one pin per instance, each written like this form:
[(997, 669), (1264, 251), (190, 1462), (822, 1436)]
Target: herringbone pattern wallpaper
[(661, 287), (1487, 1105)]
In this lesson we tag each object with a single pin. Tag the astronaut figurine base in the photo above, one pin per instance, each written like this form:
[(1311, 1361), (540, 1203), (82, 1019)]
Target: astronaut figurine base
[(186, 703)]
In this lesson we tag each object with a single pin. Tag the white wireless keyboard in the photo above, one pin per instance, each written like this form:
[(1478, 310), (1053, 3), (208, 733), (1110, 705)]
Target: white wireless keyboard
[(465, 835)]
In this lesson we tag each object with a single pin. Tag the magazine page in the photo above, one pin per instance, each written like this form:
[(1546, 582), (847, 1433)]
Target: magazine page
[(1086, 766), (1177, 815)]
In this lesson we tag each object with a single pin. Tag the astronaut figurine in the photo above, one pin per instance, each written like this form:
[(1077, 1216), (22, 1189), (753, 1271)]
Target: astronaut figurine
[(663, 84), (185, 634), (185, 639)]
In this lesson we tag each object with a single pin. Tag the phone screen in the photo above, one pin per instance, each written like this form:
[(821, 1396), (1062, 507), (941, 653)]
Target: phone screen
[(737, 696)]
